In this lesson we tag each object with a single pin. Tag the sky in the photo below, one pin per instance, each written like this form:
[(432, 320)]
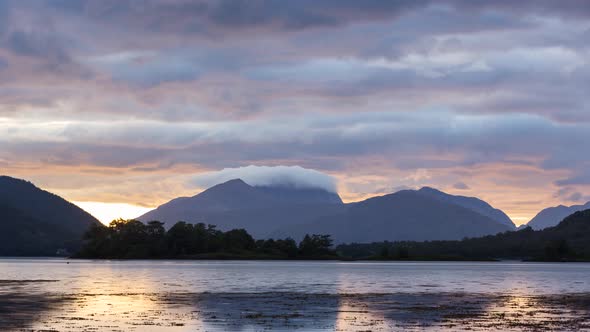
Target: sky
[(122, 105)]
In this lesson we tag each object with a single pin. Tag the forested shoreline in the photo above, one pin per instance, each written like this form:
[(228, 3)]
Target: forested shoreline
[(132, 239), (568, 241)]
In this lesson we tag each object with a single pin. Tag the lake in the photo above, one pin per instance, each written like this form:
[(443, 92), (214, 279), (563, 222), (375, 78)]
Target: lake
[(80, 295)]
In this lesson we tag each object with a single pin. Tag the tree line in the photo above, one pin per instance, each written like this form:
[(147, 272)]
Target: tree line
[(132, 239)]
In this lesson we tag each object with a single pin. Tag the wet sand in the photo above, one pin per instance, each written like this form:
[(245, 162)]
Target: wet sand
[(22, 311)]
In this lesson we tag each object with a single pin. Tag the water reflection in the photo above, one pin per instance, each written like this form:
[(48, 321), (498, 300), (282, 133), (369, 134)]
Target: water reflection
[(21, 306), (155, 312), (286, 296)]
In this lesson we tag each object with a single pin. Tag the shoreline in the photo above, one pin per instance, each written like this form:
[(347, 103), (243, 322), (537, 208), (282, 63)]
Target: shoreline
[(270, 259)]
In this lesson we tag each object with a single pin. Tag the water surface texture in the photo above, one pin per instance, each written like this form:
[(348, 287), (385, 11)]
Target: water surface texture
[(75, 295)]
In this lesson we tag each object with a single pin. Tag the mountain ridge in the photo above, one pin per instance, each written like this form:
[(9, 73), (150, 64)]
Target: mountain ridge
[(472, 203), (552, 216), (403, 215), (288, 211)]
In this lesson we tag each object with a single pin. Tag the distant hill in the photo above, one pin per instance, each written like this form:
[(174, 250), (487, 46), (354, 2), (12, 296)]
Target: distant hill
[(552, 216), (568, 241), (35, 222), (259, 209), (405, 215), (471, 203)]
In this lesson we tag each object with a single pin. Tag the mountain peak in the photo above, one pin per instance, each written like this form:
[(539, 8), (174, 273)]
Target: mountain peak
[(228, 203), (232, 183), (4, 179), (472, 203), (235, 182), (429, 189)]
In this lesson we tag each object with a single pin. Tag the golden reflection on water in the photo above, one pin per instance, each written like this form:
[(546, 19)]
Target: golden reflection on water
[(112, 303), (357, 316), (354, 315)]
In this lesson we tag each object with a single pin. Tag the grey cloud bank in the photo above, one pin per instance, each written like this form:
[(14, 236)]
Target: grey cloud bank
[(468, 92)]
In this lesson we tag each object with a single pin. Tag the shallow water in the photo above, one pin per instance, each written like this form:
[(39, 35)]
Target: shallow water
[(77, 295)]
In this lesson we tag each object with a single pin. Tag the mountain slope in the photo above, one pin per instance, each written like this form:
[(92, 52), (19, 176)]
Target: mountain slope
[(36, 222), (552, 216), (471, 203), (236, 204), (405, 215), (568, 241)]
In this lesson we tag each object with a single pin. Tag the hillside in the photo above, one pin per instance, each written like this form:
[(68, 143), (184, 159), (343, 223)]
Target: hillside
[(35, 222), (405, 215), (570, 240), (471, 203)]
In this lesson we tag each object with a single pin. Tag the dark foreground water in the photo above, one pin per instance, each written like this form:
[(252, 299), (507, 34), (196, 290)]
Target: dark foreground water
[(73, 295)]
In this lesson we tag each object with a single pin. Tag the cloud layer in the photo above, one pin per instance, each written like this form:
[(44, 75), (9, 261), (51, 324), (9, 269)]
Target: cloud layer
[(126, 101), (273, 176)]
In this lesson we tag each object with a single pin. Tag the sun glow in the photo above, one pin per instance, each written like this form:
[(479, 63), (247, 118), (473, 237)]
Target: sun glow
[(107, 212)]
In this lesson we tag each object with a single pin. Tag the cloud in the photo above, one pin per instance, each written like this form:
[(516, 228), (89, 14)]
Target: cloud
[(214, 17), (294, 176), (575, 197), (369, 91), (461, 186), (581, 177)]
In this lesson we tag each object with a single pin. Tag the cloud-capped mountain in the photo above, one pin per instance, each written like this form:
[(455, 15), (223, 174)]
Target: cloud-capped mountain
[(36, 222), (259, 209), (550, 217), (281, 211)]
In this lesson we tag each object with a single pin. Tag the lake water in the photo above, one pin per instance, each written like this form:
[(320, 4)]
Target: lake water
[(78, 295)]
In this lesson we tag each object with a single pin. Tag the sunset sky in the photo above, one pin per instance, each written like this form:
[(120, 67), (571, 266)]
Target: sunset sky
[(123, 105)]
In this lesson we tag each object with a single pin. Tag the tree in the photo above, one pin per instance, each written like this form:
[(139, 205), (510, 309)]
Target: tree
[(156, 238), (238, 240), (179, 239), (316, 245)]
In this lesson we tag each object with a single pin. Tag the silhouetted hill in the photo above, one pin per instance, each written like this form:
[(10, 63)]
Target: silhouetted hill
[(405, 215), (552, 216), (570, 240), (260, 210), (36, 222), (471, 203)]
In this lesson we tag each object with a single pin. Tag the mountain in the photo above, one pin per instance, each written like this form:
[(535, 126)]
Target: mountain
[(568, 241), (287, 211), (259, 209), (552, 216), (471, 203), (35, 222), (405, 215)]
